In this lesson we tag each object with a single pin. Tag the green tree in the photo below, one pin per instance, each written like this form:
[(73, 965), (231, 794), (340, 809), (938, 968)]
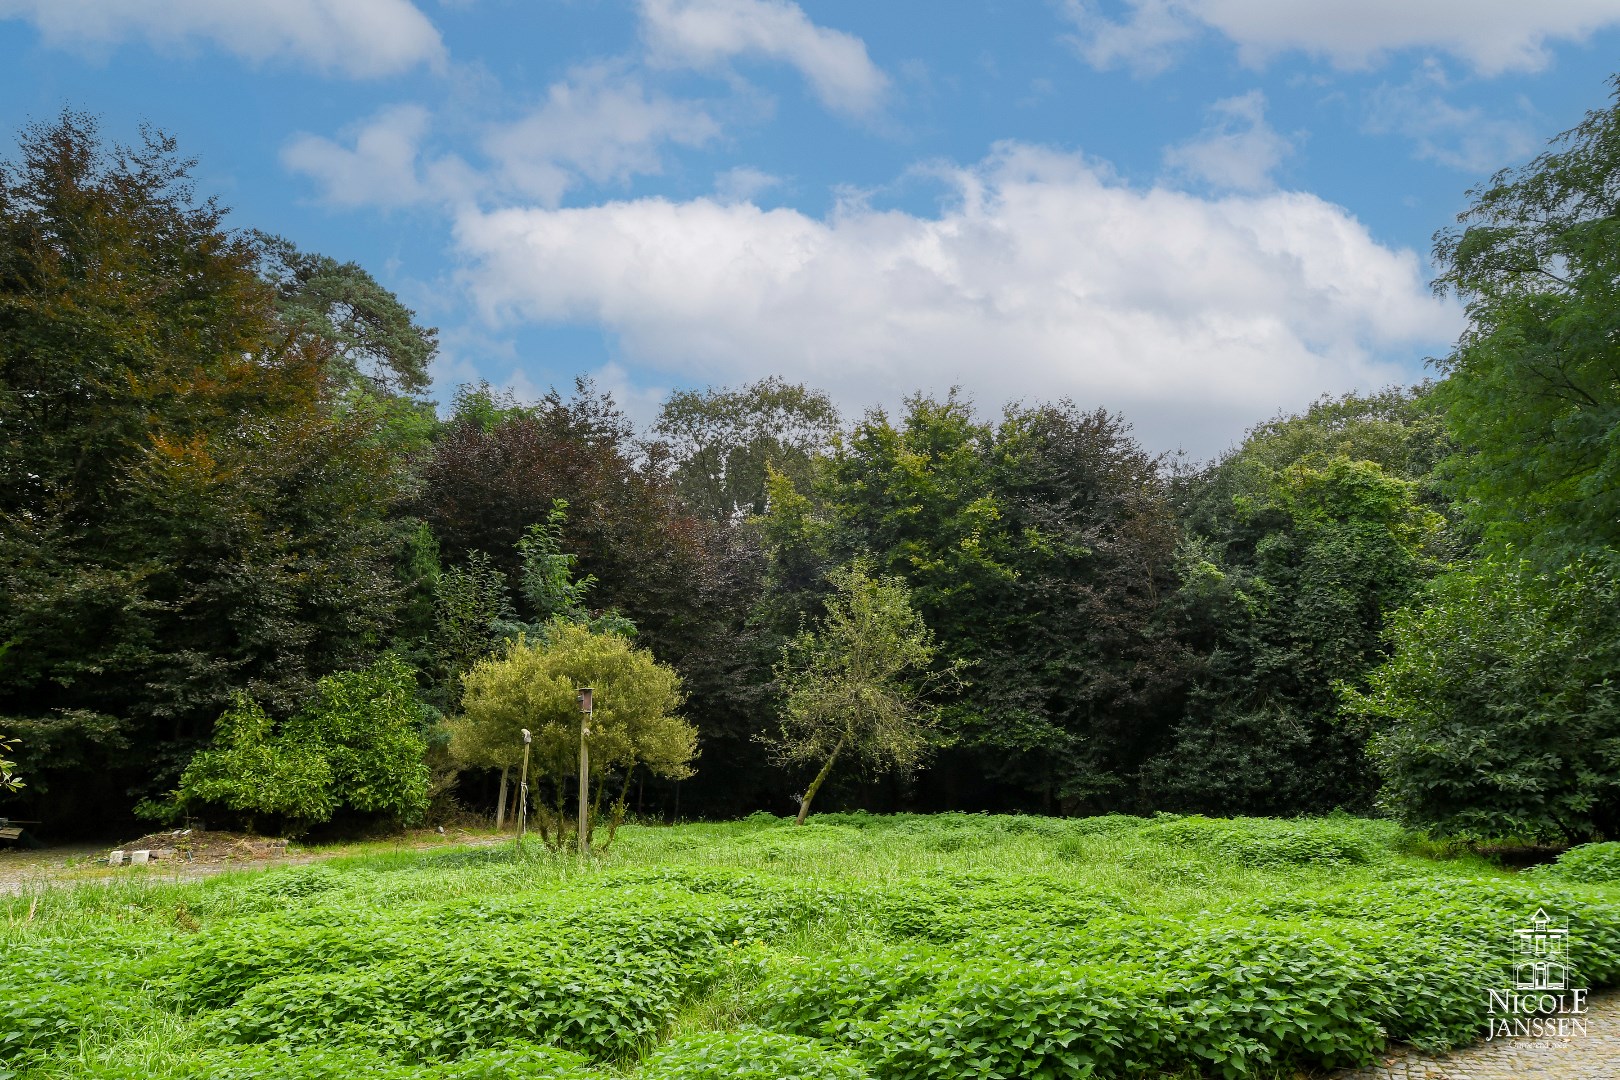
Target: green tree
[(856, 686), (176, 470), (374, 342), (10, 779), (686, 582), (1498, 712), (534, 685), (1039, 550), (724, 442), (356, 745), (1299, 546), (1532, 390)]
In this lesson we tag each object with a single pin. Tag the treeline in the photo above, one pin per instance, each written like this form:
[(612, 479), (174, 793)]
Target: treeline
[(225, 505)]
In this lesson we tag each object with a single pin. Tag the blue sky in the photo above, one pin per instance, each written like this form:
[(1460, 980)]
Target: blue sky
[(1193, 212)]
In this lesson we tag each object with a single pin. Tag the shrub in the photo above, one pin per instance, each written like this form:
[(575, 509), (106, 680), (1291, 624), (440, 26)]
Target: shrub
[(357, 744), (751, 1055), (1267, 842), (1594, 863)]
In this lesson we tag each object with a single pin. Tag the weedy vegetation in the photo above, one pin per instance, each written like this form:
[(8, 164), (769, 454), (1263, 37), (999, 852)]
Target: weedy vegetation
[(853, 948)]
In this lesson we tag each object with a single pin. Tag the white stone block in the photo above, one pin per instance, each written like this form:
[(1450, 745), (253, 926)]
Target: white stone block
[(139, 858), (115, 858)]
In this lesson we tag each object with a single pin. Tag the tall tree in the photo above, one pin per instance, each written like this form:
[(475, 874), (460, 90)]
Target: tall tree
[(724, 442), (1039, 551), (1299, 545), (1532, 390), (686, 582), (174, 471), (375, 343)]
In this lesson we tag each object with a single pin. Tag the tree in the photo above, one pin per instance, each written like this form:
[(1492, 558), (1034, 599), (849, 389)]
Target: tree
[(1532, 389), (10, 779), (687, 583), (857, 684), (1039, 550), (176, 471), (1300, 544), (724, 442), (1498, 711), (375, 343), (534, 685), (356, 745)]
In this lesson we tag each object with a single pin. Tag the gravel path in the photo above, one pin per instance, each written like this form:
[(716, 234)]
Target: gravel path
[(1593, 1056)]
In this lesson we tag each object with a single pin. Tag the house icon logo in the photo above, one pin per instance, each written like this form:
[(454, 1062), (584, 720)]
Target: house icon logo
[(1541, 956)]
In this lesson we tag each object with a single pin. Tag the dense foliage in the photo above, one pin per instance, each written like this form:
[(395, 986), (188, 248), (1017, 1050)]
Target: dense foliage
[(357, 745), (534, 687), (854, 948), (189, 508), (221, 490)]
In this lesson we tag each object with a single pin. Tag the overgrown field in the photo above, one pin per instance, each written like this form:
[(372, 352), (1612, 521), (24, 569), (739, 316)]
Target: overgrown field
[(855, 947)]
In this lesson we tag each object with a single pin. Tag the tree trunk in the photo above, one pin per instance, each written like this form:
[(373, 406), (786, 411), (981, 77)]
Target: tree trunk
[(616, 816), (815, 785), (500, 803)]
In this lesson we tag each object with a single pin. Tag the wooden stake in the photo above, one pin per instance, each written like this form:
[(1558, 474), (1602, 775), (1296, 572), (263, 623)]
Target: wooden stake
[(500, 803), (523, 792)]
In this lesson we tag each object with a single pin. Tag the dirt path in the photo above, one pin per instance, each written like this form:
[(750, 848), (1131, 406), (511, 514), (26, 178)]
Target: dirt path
[(1592, 1056), (212, 853)]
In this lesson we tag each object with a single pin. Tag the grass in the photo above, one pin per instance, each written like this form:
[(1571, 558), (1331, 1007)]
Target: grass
[(855, 947)]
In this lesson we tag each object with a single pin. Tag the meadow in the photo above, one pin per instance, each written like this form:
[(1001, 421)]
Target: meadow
[(854, 948)]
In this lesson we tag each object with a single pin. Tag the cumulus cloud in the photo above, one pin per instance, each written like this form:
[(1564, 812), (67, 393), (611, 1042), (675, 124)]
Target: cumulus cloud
[(362, 38), (705, 34), (598, 124), (380, 163), (1237, 150), (1045, 277), (1492, 36), (601, 124)]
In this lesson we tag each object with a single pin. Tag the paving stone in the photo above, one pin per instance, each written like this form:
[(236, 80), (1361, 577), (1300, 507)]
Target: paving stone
[(1593, 1056)]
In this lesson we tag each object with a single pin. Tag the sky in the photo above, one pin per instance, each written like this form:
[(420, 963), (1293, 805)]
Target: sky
[(1194, 213)]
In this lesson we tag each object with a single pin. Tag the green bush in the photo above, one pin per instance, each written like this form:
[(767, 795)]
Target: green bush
[(1268, 842), (357, 744), (751, 1055), (1594, 863)]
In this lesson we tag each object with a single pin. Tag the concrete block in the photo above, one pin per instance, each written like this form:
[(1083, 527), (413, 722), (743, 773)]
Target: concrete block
[(115, 858), (139, 858)]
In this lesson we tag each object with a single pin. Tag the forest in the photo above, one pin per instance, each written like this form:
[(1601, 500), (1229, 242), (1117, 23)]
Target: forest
[(250, 573)]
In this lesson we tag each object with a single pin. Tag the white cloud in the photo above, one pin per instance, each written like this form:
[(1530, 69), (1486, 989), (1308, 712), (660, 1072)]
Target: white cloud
[(1237, 150), (362, 38), (378, 169), (600, 124), (704, 34), (1047, 278), (743, 183), (1492, 36), (1463, 138), (1146, 42)]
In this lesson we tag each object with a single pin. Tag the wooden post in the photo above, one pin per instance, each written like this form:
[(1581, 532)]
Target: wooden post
[(585, 707), (523, 792), (500, 803)]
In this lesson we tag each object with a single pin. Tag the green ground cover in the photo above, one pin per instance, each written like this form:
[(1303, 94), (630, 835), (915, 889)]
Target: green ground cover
[(854, 948)]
